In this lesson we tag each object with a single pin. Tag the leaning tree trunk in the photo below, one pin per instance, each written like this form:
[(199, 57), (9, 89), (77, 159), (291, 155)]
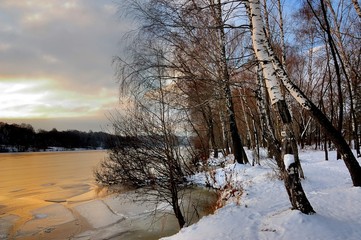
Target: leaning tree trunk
[(174, 190), (292, 182), (176, 209), (333, 134)]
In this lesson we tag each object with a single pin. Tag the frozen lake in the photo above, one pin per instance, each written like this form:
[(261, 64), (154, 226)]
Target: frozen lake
[(52, 195), (46, 176), (30, 181)]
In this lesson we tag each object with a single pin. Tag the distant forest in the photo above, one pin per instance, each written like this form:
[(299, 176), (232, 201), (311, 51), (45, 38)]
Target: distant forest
[(23, 138)]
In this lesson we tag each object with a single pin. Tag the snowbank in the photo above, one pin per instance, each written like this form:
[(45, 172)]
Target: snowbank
[(263, 211)]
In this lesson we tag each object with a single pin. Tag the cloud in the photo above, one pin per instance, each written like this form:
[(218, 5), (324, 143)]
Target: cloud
[(34, 98), (61, 53), (4, 47), (82, 36)]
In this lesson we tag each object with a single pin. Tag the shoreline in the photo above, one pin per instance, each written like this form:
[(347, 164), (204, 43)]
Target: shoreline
[(62, 150)]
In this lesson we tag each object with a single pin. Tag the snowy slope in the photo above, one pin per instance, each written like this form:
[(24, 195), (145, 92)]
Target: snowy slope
[(263, 211)]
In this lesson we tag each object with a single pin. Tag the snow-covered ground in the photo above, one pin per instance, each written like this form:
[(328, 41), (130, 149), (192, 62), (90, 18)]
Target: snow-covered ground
[(263, 210)]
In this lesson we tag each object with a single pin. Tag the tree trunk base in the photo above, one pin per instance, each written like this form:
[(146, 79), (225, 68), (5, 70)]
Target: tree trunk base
[(295, 191)]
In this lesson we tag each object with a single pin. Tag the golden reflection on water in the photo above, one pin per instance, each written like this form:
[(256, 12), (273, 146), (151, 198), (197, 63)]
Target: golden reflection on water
[(33, 179)]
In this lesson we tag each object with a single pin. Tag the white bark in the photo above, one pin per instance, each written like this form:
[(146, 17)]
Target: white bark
[(282, 35), (271, 66), (286, 81), (259, 41)]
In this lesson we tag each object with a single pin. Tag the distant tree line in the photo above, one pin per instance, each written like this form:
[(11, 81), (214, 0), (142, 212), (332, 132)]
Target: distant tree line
[(23, 137)]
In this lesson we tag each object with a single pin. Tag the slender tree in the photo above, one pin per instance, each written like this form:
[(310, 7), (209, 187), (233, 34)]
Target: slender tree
[(334, 135), (239, 155), (261, 47)]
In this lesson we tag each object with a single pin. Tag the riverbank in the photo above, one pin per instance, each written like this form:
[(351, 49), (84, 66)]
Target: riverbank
[(5, 150)]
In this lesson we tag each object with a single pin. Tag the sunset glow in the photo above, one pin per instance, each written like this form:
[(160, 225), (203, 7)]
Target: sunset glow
[(55, 61), (45, 98)]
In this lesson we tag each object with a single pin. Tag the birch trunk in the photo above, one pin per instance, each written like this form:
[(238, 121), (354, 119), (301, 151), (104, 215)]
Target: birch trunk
[(266, 18), (250, 143), (337, 68), (334, 135), (273, 144), (225, 135), (283, 61), (291, 179)]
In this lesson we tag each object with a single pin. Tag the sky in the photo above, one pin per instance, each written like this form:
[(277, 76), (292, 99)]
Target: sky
[(56, 62)]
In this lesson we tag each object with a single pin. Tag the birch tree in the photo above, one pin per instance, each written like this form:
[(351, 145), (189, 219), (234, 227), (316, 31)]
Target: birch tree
[(261, 47), (266, 55)]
